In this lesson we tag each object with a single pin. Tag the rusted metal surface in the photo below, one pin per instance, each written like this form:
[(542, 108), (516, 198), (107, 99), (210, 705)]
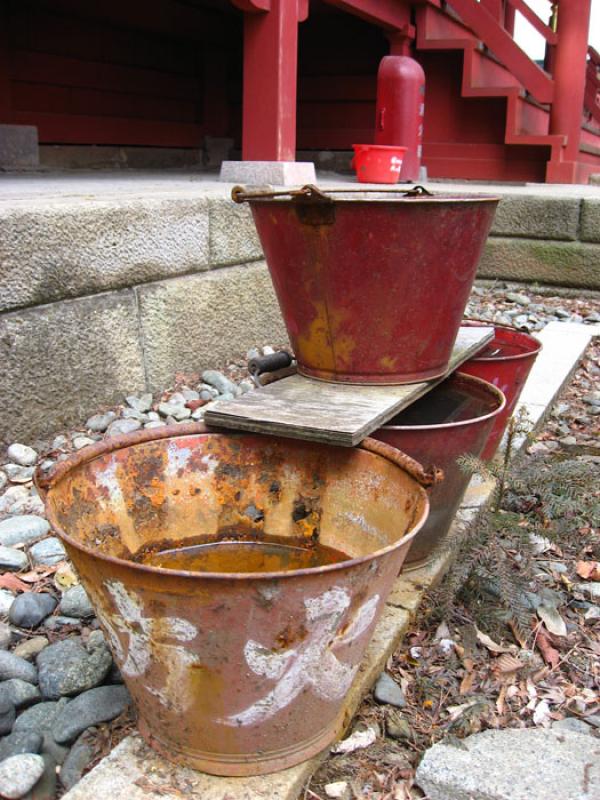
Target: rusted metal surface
[(506, 362), (462, 412), (372, 290), (237, 673)]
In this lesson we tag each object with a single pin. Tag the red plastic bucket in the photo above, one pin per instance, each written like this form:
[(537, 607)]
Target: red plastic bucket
[(377, 163), (372, 288), (505, 363), (453, 419)]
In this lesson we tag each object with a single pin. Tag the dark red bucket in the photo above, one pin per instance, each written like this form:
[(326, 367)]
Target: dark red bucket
[(453, 419), (505, 363), (372, 287)]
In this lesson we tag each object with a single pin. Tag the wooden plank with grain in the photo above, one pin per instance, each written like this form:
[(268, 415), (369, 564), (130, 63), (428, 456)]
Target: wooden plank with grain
[(333, 413)]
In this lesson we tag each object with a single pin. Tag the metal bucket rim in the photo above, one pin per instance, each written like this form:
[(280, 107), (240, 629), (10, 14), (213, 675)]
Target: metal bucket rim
[(537, 346), (171, 432), (439, 199), (483, 384)]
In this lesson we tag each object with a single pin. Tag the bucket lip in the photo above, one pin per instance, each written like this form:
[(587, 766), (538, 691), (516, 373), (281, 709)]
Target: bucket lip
[(174, 432), (394, 147), (340, 196), (464, 377), (536, 348)]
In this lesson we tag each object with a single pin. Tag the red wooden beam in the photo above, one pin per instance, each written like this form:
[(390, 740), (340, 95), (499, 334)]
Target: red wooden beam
[(390, 14), (569, 77), (270, 67)]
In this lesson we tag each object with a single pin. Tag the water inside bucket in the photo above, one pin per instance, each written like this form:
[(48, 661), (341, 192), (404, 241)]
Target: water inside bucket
[(269, 554), (444, 405), (496, 349)]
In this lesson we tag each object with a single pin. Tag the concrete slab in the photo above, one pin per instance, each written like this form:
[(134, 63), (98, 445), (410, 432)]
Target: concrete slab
[(525, 764), (275, 173)]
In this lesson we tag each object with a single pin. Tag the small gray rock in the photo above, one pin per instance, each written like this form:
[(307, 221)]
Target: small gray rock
[(90, 708), (6, 600), (12, 666), (7, 715), (190, 395), (12, 560), (18, 474), (78, 759), (76, 603), (3, 480), (154, 423), (23, 455), (79, 442), (30, 609), (592, 318), (246, 386), (5, 636), (22, 529), (219, 381), (141, 404), (100, 422), (226, 396), (19, 693), (120, 426), (177, 412), (49, 552), (19, 774), (66, 668), (40, 718), (592, 399), (516, 297), (397, 727), (387, 691), (561, 313), (31, 647), (20, 742)]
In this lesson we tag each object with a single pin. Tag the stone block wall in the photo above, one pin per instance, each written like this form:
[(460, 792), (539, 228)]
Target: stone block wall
[(102, 296), (545, 239)]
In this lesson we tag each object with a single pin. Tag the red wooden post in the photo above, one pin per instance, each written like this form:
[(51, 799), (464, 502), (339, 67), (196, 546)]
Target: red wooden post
[(569, 82), (270, 72)]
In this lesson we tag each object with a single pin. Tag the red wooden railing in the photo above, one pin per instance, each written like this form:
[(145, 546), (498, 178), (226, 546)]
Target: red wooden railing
[(592, 85), (487, 19)]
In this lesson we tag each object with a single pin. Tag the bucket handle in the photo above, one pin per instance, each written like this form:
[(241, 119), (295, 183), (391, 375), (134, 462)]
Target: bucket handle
[(426, 478), (312, 193)]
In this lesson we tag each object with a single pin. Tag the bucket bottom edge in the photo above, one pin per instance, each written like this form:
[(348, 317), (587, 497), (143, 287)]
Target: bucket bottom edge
[(240, 766), (356, 379)]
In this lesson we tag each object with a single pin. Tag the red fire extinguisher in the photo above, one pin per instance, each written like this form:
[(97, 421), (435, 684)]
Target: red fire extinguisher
[(400, 110)]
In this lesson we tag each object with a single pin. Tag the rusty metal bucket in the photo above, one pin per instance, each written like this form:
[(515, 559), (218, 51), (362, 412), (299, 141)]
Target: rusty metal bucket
[(506, 362), (237, 673), (453, 419), (372, 287)]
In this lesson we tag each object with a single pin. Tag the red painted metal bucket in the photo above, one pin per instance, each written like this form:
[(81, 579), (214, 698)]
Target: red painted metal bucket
[(372, 287), (377, 163), (505, 362), (453, 419), (236, 672)]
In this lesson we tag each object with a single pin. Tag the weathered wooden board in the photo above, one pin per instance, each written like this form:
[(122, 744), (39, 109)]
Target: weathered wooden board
[(303, 408)]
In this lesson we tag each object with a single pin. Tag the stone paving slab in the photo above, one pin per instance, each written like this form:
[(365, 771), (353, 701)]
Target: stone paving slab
[(132, 771), (526, 764)]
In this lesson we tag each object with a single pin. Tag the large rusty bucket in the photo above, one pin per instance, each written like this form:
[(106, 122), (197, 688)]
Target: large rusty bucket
[(452, 420), (236, 673), (372, 287), (506, 362)]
